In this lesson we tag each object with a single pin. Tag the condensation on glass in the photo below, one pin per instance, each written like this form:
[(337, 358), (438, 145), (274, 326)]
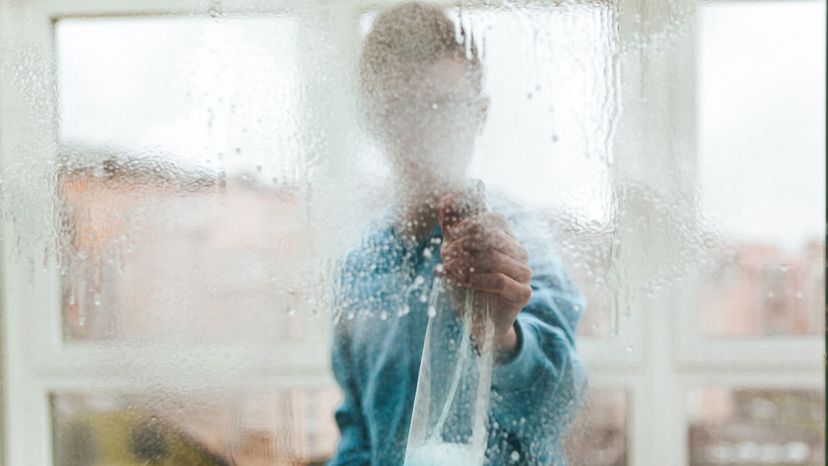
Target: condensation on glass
[(206, 429), (181, 178), (210, 172), (600, 434)]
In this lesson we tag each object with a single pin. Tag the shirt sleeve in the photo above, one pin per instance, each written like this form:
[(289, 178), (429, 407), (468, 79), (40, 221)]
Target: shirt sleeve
[(546, 334), (536, 394)]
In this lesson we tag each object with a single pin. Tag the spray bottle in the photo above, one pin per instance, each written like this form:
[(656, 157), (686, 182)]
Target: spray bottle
[(451, 405)]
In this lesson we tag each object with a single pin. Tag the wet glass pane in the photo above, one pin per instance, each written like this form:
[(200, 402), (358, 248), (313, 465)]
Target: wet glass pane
[(761, 123), (181, 178), (756, 426), (398, 234), (600, 435), (288, 427)]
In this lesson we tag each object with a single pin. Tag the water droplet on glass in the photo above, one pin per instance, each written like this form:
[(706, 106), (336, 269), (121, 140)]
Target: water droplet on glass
[(432, 311)]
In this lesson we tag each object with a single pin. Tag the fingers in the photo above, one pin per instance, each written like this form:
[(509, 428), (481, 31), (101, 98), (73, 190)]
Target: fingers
[(494, 239), (456, 207), (450, 212), (488, 261), (503, 285)]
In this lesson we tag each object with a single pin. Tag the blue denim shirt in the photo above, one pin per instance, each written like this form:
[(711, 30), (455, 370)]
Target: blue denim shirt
[(381, 319)]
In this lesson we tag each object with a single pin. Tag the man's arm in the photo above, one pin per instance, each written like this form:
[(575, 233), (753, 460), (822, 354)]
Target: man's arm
[(537, 394), (539, 381), (546, 328)]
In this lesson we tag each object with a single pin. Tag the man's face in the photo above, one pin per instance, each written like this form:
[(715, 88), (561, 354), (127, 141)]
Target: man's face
[(431, 117)]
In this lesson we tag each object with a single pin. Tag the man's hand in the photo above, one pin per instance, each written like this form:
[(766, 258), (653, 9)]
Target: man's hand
[(480, 252)]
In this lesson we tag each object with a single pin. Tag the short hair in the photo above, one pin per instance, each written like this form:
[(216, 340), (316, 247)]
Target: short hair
[(416, 34)]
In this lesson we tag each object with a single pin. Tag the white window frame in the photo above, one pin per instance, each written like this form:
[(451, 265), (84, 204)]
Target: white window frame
[(644, 358)]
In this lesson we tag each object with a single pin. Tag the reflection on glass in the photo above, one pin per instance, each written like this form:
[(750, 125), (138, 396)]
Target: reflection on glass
[(761, 123), (286, 428), (599, 434), (741, 427)]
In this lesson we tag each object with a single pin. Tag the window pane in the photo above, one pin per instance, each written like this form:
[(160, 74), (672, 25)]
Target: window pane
[(209, 94), (599, 435), (218, 185), (181, 178), (761, 123), (442, 203), (756, 426), (290, 427), (148, 257)]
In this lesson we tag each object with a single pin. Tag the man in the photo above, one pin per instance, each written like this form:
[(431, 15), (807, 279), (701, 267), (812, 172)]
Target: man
[(421, 84)]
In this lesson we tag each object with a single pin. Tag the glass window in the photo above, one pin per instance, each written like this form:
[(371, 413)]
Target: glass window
[(291, 427), (761, 136), (755, 426), (225, 236), (600, 435), (181, 178)]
